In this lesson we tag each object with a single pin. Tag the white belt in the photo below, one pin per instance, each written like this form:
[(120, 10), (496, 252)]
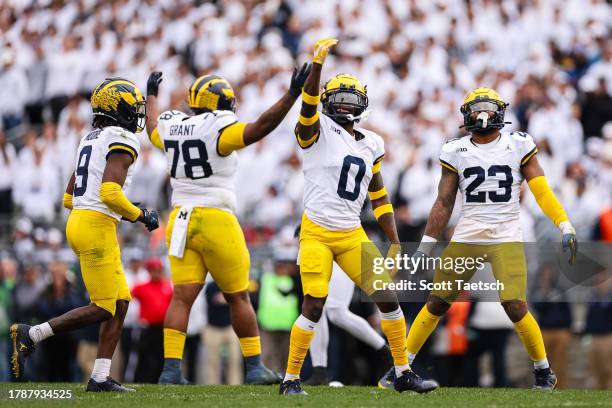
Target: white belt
[(179, 232)]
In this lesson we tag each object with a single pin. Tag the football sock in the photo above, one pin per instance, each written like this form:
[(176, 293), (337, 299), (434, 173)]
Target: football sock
[(101, 369), (529, 332), (393, 325), (174, 342), (40, 332), (420, 330), (299, 341), (411, 357), (250, 346)]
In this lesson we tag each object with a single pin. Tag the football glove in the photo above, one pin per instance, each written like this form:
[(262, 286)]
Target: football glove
[(321, 49), (298, 78), (153, 83), (149, 218), (569, 241)]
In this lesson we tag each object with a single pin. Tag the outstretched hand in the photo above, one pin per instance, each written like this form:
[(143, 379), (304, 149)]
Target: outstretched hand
[(299, 78), (153, 83)]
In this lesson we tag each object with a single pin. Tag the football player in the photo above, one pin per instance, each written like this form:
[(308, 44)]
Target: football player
[(341, 166), (95, 193), (488, 166), (203, 233)]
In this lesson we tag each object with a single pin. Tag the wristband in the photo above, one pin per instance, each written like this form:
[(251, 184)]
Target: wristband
[(382, 210), (310, 99), (566, 227), (427, 244), (309, 121)]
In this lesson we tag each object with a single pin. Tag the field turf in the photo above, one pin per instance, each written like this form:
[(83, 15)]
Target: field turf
[(266, 396)]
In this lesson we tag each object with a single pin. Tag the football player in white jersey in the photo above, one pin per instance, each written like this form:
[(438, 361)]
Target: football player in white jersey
[(203, 233), (341, 166), (488, 166), (95, 193)]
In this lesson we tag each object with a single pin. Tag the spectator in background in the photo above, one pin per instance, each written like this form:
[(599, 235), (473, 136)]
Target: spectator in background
[(13, 89), (27, 294), (278, 307), (555, 318), (38, 187), (8, 172), (596, 109), (58, 360), (223, 354), (488, 331), (36, 73), (154, 297), (8, 271), (599, 326)]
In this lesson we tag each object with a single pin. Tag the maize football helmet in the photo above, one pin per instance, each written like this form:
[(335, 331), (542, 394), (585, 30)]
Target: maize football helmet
[(210, 93), (344, 99), (483, 110), (120, 101)]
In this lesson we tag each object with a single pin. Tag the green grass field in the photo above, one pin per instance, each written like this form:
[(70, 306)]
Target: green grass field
[(266, 396)]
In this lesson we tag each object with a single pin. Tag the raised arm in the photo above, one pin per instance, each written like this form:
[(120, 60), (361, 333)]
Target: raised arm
[(550, 205), (241, 134), (271, 118), (443, 206), (308, 125), (152, 109)]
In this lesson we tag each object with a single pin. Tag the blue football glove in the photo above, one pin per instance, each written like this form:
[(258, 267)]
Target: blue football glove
[(569, 241)]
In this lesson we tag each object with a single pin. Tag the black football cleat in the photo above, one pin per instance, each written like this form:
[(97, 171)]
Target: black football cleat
[(387, 381), (262, 375), (109, 385), (23, 346), (545, 379), (292, 387), (318, 377), (410, 381), (170, 377)]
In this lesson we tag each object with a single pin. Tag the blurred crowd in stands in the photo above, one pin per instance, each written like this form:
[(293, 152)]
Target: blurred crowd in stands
[(550, 59)]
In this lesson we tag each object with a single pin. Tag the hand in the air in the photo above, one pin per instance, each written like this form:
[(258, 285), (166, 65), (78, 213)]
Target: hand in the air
[(153, 83), (150, 219), (321, 49), (298, 78)]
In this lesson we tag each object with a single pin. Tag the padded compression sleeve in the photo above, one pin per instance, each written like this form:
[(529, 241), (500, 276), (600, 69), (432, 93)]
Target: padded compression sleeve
[(112, 196), (67, 201), (547, 200)]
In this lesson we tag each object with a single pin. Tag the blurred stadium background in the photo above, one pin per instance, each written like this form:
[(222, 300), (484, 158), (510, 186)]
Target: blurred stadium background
[(551, 59)]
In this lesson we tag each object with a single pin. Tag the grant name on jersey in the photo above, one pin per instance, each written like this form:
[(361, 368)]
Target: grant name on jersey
[(182, 130)]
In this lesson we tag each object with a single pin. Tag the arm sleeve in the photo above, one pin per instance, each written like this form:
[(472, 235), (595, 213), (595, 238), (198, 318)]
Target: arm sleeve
[(547, 200), (156, 139), (112, 196), (231, 138), (448, 158), (67, 201)]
